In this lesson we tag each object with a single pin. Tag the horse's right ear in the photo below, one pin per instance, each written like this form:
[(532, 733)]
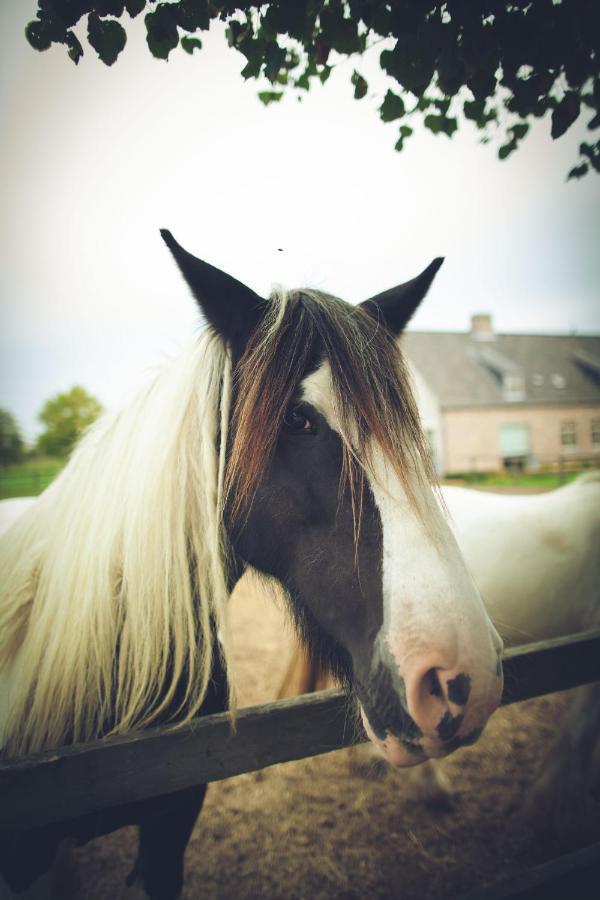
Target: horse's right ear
[(231, 309)]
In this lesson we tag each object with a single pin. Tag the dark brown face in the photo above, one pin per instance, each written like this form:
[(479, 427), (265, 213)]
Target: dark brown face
[(301, 532)]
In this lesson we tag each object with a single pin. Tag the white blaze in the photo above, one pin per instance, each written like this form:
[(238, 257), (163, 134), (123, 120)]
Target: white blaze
[(433, 616)]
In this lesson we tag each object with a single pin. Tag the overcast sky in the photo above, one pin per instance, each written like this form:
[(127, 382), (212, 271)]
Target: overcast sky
[(95, 160)]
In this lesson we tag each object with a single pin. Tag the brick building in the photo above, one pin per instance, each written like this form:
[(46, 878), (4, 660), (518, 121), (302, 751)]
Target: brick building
[(488, 400)]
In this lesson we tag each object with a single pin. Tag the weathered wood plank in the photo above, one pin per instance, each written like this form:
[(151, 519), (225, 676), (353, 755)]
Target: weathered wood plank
[(533, 670), (73, 781)]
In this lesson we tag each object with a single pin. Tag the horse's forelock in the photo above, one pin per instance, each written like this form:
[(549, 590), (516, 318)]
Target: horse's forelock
[(265, 380), (369, 384)]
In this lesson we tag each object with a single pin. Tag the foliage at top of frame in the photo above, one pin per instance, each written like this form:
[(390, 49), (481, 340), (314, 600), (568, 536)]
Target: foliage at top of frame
[(497, 63)]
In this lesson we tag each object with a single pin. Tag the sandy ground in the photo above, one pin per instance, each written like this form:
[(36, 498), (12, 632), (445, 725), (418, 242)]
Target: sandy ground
[(317, 829)]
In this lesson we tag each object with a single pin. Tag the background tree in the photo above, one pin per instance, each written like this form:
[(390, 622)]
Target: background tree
[(66, 416), (11, 442), (497, 63)]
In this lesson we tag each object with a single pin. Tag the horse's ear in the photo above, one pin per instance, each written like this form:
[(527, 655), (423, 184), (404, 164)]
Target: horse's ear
[(232, 309), (395, 307)]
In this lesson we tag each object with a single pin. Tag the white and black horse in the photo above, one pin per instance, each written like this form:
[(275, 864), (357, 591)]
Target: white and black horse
[(536, 561), (285, 439)]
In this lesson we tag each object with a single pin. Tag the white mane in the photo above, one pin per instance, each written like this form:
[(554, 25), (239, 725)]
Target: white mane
[(99, 580)]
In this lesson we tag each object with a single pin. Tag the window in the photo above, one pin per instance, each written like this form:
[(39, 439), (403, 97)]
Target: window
[(514, 441), (595, 434), (568, 435), (513, 386)]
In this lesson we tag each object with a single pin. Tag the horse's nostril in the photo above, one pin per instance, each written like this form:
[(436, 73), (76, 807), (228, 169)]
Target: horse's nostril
[(435, 687)]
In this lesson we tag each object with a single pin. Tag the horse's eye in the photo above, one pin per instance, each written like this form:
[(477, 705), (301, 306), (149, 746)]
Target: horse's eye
[(296, 421)]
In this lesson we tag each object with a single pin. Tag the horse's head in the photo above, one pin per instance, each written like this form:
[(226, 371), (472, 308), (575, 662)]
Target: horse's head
[(328, 491)]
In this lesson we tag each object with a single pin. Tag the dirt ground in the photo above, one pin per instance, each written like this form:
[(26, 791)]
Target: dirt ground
[(317, 829)]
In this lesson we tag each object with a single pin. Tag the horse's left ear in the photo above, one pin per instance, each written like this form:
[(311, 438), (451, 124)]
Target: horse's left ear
[(231, 309), (395, 307)]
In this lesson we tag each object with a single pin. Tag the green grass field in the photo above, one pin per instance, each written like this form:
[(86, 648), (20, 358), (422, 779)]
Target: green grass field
[(541, 480), (29, 478)]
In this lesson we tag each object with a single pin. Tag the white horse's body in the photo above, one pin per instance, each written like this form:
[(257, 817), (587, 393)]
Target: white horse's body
[(535, 558)]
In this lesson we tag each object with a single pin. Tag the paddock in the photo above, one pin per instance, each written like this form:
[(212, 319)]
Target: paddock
[(316, 828)]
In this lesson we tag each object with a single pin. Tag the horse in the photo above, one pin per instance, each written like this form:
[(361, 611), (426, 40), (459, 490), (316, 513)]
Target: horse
[(284, 439), (536, 561)]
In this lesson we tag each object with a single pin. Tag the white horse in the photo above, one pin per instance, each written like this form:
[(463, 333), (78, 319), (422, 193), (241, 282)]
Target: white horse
[(534, 557), (536, 561)]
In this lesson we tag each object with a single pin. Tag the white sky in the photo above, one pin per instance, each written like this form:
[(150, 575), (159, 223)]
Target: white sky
[(96, 160)]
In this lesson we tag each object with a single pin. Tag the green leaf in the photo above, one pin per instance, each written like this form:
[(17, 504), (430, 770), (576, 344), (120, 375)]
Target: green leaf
[(578, 171), (411, 70), (442, 105), (302, 82), (274, 60), (106, 7), (346, 39), (161, 31), (267, 97), (360, 85), (474, 109), (325, 73), (392, 107), (564, 114), (482, 83), (450, 71), (339, 33), (592, 151), (506, 149), (253, 49), (441, 124), (75, 50), (236, 32), (189, 44), (107, 37), (37, 33), (424, 103), (405, 131), (134, 7), (252, 68), (192, 15), (520, 130)]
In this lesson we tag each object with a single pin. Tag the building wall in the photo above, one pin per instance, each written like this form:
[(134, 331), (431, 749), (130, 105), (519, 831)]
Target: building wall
[(430, 415), (471, 437)]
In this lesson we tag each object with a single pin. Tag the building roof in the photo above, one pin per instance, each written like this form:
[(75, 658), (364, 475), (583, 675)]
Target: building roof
[(474, 369)]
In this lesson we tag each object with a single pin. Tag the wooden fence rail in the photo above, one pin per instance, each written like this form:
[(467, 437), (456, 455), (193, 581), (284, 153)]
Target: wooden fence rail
[(72, 781)]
